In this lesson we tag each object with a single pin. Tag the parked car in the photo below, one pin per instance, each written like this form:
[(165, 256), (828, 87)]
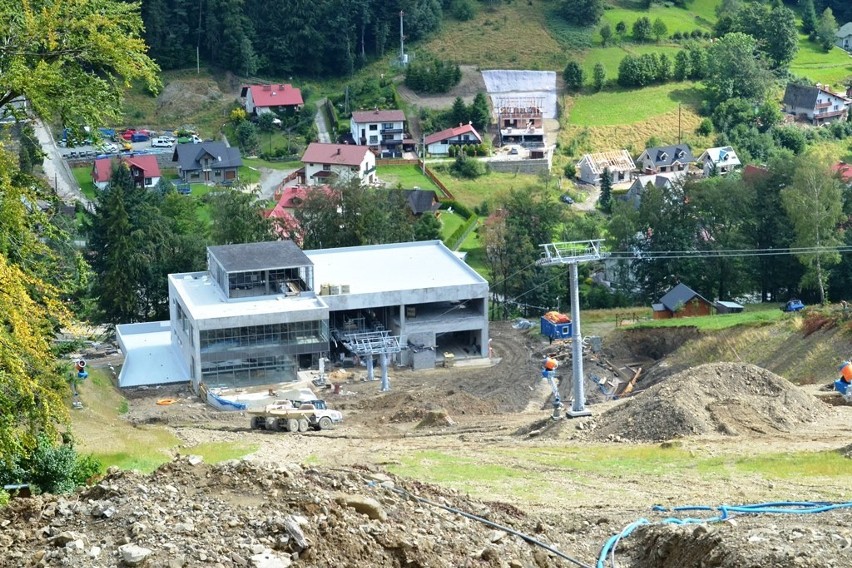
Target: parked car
[(514, 151), (162, 142), (793, 305), (139, 137), (190, 139), (565, 198)]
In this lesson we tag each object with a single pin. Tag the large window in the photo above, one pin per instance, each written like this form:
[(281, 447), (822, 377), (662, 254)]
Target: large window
[(283, 335)]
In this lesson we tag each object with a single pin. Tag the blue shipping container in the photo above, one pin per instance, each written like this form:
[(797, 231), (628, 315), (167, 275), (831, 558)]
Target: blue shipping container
[(555, 330)]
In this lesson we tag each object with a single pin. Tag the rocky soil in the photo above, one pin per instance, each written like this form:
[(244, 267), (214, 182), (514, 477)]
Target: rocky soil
[(270, 511)]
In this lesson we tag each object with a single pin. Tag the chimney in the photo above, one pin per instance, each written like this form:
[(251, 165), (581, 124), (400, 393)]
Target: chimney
[(338, 152), (267, 87), (460, 123)]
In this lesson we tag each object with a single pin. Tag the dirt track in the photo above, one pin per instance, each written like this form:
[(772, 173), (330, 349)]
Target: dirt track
[(500, 417)]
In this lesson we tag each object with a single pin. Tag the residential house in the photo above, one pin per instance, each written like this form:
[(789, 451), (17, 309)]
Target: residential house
[(728, 307), (520, 122), (381, 130), (260, 99), (421, 201), (718, 161), (681, 302), (843, 171), (618, 162), (816, 104), (664, 159), (755, 174), (639, 186), (288, 199), (843, 37), (209, 161), (438, 144), (325, 163), (144, 169)]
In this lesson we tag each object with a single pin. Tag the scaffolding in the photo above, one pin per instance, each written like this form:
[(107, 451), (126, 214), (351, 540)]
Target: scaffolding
[(369, 344), (573, 253)]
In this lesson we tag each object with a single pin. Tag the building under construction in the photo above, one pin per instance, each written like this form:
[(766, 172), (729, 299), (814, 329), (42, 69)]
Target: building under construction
[(263, 311), (521, 121)]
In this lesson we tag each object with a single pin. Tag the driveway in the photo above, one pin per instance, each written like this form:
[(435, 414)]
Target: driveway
[(56, 169), (270, 179), (322, 128)]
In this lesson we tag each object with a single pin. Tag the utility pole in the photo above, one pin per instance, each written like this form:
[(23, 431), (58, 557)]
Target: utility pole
[(573, 253), (424, 153), (198, 43), (678, 123), (401, 41)]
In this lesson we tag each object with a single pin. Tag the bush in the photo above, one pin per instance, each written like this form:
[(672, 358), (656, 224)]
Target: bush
[(463, 10), (52, 468), (468, 168), (570, 170), (705, 128)]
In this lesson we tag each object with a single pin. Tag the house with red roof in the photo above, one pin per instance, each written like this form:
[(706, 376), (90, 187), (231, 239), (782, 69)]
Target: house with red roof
[(438, 144), (144, 169), (843, 171), (261, 99), (381, 130), (326, 163)]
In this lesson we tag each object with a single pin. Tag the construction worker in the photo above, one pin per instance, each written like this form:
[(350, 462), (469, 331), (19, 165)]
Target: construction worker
[(549, 366), (841, 385)]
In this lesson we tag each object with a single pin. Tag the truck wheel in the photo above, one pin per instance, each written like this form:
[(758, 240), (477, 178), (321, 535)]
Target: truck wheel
[(292, 425), (278, 424), (324, 423), (258, 423), (304, 425)]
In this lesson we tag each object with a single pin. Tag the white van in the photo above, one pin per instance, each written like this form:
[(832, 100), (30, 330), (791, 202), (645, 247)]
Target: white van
[(162, 142)]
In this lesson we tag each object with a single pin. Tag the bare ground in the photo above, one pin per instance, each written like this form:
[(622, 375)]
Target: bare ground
[(471, 83), (479, 413)]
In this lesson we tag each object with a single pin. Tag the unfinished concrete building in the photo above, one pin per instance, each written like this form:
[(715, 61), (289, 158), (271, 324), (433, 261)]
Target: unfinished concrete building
[(521, 121)]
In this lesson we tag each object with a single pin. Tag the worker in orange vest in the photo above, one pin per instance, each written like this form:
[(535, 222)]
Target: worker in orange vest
[(549, 366), (841, 385)]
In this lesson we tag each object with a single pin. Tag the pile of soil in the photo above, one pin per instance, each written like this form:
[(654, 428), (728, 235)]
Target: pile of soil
[(728, 398), (436, 419), (184, 98), (239, 514), (400, 407)]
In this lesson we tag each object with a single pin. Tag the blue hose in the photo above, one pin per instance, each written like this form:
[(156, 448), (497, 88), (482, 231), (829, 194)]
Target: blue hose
[(724, 511)]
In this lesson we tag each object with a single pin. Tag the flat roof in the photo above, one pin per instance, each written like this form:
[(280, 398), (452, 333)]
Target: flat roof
[(259, 256), (205, 300), (393, 267), (150, 358)]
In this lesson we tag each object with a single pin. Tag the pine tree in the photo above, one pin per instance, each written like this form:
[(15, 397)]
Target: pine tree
[(605, 200), (459, 112), (809, 18), (573, 76), (480, 113), (599, 76)]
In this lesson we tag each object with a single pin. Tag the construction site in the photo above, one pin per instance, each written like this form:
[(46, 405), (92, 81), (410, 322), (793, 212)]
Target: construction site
[(464, 465)]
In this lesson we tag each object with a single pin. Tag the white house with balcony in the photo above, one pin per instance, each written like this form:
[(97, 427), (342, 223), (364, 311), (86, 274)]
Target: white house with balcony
[(816, 105), (382, 130), (327, 163)]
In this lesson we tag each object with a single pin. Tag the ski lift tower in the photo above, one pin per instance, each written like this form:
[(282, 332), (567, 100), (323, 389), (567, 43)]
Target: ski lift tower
[(372, 343), (573, 253)]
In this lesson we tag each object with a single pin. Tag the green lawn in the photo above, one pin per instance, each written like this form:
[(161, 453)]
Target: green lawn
[(756, 315), (631, 106), (408, 176), (611, 57), (472, 192), (83, 175), (676, 19), (814, 64)]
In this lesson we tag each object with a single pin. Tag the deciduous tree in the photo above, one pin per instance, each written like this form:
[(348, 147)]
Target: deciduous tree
[(599, 76), (826, 29), (573, 76)]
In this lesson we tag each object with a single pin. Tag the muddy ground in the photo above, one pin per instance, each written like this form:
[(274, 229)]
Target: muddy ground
[(726, 409)]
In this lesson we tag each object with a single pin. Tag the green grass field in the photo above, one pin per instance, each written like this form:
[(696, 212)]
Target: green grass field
[(753, 315), (83, 175), (472, 192), (406, 176), (811, 62), (631, 106), (676, 19)]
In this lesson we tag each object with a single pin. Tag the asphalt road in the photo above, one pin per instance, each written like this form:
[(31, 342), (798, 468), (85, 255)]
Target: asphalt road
[(56, 169)]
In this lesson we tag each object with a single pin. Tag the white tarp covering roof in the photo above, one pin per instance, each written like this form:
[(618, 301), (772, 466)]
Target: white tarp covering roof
[(539, 86)]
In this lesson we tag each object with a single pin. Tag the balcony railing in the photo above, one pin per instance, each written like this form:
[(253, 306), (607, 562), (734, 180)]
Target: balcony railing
[(393, 130)]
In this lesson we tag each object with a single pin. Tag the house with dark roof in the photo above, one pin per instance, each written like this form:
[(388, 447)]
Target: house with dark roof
[(260, 99), (816, 104), (843, 37), (681, 302), (381, 130), (641, 184), (144, 169), (210, 161), (438, 144), (664, 159), (325, 163), (421, 201)]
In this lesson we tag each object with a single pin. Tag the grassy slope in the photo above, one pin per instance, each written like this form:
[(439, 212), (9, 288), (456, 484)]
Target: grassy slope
[(811, 62), (408, 176), (99, 429)]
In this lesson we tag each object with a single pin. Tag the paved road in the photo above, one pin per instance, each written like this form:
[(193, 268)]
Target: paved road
[(56, 170), (322, 128), (270, 179)]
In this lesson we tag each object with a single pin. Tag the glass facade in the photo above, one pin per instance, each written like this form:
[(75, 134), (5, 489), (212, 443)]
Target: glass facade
[(258, 354)]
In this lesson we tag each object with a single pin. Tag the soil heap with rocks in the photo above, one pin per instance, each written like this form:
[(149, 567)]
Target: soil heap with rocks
[(727, 398), (238, 513)]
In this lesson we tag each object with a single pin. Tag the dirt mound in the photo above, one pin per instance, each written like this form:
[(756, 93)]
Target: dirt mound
[(728, 398), (240, 514), (184, 98), (436, 419), (414, 406)]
